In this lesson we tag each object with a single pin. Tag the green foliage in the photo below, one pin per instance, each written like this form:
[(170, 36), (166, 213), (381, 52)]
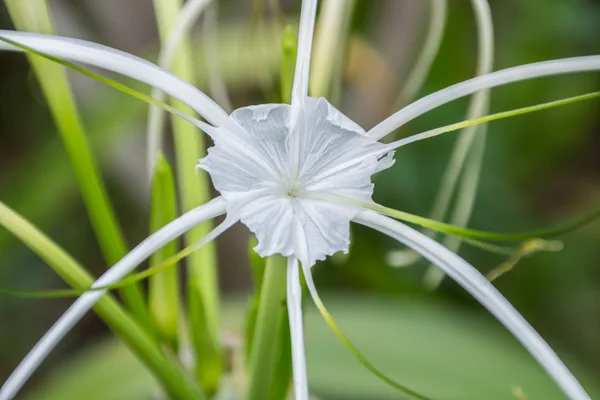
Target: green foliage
[(56, 89), (172, 378), (163, 287), (468, 357), (265, 344), (194, 190)]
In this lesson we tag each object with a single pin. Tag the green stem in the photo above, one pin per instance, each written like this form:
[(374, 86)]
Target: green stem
[(203, 291), (271, 310), (34, 15), (172, 377)]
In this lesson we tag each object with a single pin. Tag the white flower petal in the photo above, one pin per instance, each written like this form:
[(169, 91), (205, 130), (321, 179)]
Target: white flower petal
[(128, 263), (308, 15), (294, 304), (121, 62), (498, 78), (252, 166), (476, 284)]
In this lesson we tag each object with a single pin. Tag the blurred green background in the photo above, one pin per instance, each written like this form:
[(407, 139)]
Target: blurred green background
[(539, 169)]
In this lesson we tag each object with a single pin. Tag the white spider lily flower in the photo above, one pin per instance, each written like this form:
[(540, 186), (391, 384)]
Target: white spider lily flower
[(270, 192), (281, 170)]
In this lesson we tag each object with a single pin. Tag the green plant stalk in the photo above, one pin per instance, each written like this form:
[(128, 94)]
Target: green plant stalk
[(203, 291), (283, 369), (264, 351), (172, 377), (257, 266), (268, 334), (163, 287), (34, 15)]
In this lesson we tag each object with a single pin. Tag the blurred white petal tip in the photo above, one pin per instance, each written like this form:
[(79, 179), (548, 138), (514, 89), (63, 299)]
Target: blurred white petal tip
[(252, 165)]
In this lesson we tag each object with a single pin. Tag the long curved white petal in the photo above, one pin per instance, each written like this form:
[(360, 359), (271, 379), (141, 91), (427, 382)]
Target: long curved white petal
[(84, 303), (294, 304), (476, 284), (105, 57), (308, 15), (498, 78)]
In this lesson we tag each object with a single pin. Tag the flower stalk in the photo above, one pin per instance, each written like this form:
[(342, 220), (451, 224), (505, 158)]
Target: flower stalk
[(271, 311)]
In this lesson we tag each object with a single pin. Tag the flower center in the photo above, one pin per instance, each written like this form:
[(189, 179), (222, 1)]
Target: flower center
[(294, 191)]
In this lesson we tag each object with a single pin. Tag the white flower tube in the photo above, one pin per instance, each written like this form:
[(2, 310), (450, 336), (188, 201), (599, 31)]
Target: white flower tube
[(498, 78), (127, 264), (301, 75), (476, 284), (105, 57), (294, 304)]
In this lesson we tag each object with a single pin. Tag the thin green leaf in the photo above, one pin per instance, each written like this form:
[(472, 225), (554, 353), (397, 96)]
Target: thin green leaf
[(561, 229), (163, 287), (35, 16), (264, 351), (174, 379), (495, 117), (283, 357), (355, 352), (283, 367), (257, 265), (129, 280), (110, 82)]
